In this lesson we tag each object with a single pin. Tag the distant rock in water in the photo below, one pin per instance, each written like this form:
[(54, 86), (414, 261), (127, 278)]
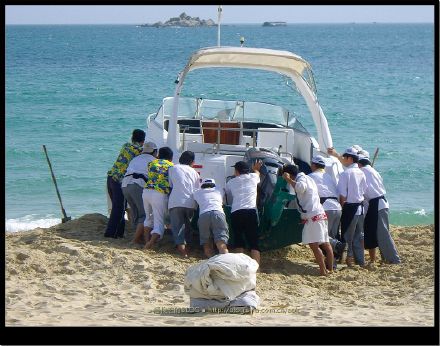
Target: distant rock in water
[(183, 21), (274, 24)]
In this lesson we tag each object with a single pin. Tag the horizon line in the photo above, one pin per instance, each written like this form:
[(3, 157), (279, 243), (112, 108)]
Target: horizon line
[(225, 24)]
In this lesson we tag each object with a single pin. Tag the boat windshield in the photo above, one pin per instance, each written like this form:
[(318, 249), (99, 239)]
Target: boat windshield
[(228, 110), (197, 108)]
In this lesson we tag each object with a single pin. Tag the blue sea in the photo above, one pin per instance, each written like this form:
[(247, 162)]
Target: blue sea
[(81, 90)]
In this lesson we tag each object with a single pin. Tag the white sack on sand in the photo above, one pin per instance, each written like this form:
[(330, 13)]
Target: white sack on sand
[(221, 276)]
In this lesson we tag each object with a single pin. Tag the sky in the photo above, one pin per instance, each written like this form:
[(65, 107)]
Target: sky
[(139, 14)]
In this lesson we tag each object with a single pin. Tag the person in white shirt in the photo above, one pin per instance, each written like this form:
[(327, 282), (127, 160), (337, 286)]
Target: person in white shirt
[(184, 180), (376, 224), (133, 186), (328, 196), (351, 189), (315, 231), (212, 220), (244, 217)]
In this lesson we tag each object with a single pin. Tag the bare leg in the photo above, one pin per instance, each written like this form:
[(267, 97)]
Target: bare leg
[(147, 231), (139, 235), (208, 249), (328, 256), (221, 246), (255, 254), (372, 254), (181, 249), (319, 257), (152, 241)]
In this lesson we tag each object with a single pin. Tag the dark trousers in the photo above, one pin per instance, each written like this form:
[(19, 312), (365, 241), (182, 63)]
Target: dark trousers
[(244, 222), (116, 223)]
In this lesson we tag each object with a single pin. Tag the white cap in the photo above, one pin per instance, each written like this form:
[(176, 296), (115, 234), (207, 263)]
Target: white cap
[(350, 151), (208, 181), (318, 159), (357, 147), (149, 147), (363, 154)]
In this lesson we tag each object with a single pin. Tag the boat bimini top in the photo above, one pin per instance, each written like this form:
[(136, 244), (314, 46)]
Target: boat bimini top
[(283, 62)]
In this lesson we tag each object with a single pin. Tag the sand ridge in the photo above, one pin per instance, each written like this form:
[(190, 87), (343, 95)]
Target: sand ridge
[(70, 275)]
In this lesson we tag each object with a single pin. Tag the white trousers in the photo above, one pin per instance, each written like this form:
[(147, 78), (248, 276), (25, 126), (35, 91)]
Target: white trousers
[(156, 206)]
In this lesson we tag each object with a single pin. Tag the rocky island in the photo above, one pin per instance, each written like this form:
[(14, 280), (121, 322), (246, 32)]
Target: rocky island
[(182, 21)]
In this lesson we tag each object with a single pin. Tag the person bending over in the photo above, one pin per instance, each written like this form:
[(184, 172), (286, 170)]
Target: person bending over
[(116, 223), (184, 180), (155, 196), (315, 231), (212, 220), (328, 196), (133, 186), (244, 218)]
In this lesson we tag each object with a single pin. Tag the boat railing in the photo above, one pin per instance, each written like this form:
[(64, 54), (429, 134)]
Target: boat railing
[(223, 144)]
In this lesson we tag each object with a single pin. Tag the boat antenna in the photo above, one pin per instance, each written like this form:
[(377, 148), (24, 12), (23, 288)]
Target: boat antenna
[(218, 24)]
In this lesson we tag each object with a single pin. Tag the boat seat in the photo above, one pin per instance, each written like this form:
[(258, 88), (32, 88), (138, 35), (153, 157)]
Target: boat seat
[(212, 128), (190, 138), (274, 138), (250, 125), (191, 125)]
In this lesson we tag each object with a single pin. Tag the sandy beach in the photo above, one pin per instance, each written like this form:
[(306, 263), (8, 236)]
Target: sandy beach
[(70, 275)]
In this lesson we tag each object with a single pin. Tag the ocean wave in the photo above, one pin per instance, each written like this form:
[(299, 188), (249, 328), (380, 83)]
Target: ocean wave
[(411, 217), (30, 222)]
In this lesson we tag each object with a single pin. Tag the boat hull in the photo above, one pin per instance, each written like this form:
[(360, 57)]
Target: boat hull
[(279, 224), (286, 231)]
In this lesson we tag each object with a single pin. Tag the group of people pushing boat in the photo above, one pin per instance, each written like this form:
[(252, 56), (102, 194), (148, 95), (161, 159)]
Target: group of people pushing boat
[(340, 219)]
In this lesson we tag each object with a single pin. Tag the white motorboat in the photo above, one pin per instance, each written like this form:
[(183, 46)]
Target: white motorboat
[(222, 132)]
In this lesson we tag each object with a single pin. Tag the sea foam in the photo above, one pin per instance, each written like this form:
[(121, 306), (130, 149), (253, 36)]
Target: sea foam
[(420, 212), (29, 222)]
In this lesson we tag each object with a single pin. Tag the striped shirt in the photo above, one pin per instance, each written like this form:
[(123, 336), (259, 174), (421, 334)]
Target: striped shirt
[(127, 153)]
